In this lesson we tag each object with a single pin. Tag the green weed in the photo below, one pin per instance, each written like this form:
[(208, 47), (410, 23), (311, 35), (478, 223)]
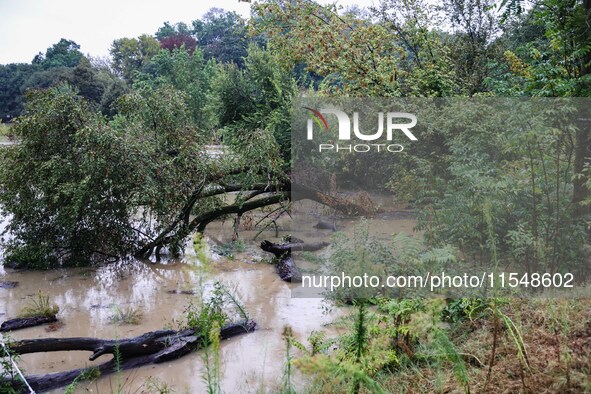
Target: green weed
[(129, 315), (40, 306)]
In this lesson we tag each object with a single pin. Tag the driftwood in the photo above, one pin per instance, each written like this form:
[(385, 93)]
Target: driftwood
[(24, 322), (150, 348), (285, 266)]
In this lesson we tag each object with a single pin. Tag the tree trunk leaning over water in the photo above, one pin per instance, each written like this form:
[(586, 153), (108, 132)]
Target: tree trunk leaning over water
[(261, 195)]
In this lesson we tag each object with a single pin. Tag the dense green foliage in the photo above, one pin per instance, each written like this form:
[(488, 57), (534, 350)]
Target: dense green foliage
[(115, 159), (82, 188), (66, 53), (62, 63), (123, 167), (132, 54), (186, 72), (258, 97), (513, 197), (67, 161), (518, 198), (220, 36)]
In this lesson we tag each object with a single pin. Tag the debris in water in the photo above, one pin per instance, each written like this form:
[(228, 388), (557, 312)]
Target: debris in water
[(8, 284), (54, 326), (187, 292)]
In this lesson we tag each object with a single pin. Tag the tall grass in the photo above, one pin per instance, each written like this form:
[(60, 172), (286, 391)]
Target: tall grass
[(87, 375), (212, 375), (129, 315), (498, 315), (40, 306), (287, 386)]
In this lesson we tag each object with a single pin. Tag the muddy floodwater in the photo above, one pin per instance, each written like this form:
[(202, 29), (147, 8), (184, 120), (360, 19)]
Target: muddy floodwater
[(250, 363)]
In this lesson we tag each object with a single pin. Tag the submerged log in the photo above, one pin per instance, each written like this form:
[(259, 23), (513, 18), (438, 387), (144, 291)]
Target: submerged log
[(8, 284), (25, 322), (280, 249), (285, 266), (150, 348), (322, 225)]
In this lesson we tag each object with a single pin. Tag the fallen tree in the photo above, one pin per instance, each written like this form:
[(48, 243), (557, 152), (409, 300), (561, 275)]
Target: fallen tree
[(149, 348), (285, 266)]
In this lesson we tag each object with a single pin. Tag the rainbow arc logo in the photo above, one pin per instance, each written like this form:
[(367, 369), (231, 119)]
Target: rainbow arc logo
[(318, 118)]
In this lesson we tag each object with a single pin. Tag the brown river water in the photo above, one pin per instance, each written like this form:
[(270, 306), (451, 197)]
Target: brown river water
[(250, 363)]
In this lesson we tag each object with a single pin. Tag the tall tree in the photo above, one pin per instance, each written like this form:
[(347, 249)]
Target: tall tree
[(176, 36), (12, 80), (168, 30), (66, 53), (187, 73), (561, 67), (222, 36), (131, 55), (257, 97)]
